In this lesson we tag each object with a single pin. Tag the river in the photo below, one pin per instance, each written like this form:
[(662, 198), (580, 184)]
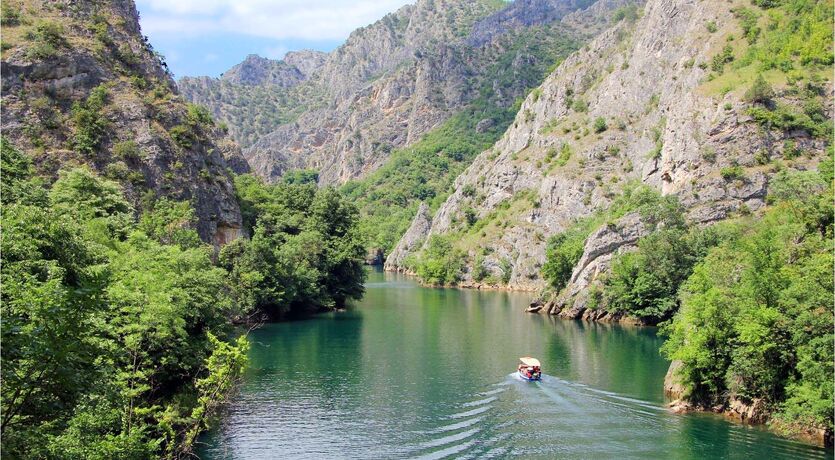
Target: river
[(414, 372)]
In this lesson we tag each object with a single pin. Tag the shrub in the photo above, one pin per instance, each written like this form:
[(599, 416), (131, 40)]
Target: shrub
[(732, 173), (47, 38), (564, 156), (440, 263), (128, 150), (90, 123), (600, 125), (711, 26), (629, 12), (760, 91), (507, 270), (182, 136), (645, 283)]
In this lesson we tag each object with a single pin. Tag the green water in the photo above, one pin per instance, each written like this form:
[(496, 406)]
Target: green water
[(414, 372)]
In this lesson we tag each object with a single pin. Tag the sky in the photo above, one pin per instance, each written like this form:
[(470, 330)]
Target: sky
[(207, 37)]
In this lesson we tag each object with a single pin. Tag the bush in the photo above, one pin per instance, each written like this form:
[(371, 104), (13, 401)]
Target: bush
[(440, 263), (579, 105), (48, 39), (507, 271), (760, 91), (183, 136), (128, 150), (120, 332), (89, 121), (563, 252), (564, 156), (600, 125), (732, 173), (301, 177), (630, 13), (645, 283)]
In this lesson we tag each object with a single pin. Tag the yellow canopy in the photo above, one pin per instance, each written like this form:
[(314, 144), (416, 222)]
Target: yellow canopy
[(528, 361)]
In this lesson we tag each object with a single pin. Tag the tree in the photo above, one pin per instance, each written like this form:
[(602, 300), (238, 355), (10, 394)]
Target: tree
[(760, 91)]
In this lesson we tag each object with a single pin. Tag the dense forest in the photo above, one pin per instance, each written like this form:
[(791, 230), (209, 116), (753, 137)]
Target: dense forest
[(118, 336), (135, 261)]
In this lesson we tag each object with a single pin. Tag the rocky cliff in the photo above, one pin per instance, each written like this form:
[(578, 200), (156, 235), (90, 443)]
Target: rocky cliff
[(391, 83), (81, 86), (646, 101), (255, 96)]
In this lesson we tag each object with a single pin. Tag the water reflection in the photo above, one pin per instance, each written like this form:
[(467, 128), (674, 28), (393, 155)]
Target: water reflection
[(414, 372)]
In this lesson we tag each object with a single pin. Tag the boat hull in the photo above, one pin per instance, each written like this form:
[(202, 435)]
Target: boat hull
[(535, 378)]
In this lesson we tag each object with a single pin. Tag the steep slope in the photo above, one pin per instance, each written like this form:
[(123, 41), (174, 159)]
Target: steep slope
[(504, 71), (658, 99), (81, 86), (256, 95), (394, 81)]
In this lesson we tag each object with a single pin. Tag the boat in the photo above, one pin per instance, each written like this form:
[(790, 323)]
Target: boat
[(530, 369)]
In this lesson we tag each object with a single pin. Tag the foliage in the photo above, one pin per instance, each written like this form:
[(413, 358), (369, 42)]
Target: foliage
[(798, 34), (732, 172), (564, 249), (18, 184), (90, 124), (47, 39), (440, 263), (171, 222), (600, 125), (756, 315), (111, 340), (629, 12), (645, 283), (305, 252), (301, 176), (760, 92)]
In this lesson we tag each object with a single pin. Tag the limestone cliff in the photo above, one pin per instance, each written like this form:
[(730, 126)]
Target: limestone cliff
[(390, 83), (641, 102), (255, 96), (81, 86)]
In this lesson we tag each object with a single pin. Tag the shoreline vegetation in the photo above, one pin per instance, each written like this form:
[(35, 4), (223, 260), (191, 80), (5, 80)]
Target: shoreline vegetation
[(756, 346), (118, 336)]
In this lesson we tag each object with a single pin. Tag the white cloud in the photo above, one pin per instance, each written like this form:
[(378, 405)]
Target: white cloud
[(275, 52), (277, 19), (210, 57)]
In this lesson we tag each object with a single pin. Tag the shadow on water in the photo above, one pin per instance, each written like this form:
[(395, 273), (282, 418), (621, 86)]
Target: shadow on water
[(414, 372)]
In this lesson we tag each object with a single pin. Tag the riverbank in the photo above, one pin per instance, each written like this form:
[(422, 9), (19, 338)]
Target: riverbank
[(442, 361)]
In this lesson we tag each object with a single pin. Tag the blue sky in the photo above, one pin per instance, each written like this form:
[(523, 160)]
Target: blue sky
[(207, 37)]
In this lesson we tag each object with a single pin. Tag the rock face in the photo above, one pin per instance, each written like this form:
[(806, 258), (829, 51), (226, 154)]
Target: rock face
[(633, 105), (601, 246), (52, 63), (523, 13), (389, 84), (258, 94), (673, 388), (412, 239), (291, 71)]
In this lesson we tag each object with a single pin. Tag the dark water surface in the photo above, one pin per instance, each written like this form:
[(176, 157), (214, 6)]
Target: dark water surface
[(415, 372)]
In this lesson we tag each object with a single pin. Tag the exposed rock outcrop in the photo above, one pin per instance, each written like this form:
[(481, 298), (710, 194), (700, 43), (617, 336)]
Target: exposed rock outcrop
[(523, 13), (601, 246), (412, 240), (389, 84), (140, 133), (673, 387), (631, 106)]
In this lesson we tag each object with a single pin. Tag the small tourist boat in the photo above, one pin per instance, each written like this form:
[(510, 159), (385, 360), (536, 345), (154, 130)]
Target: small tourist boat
[(530, 369)]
